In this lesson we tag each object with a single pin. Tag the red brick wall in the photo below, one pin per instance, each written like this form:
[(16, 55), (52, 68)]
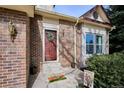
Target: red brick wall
[(35, 45), (36, 40), (14, 56)]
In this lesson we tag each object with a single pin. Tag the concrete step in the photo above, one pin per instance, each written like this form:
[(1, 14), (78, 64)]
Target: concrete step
[(52, 68)]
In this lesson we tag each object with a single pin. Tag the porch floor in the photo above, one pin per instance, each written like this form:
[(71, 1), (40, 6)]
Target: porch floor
[(74, 77)]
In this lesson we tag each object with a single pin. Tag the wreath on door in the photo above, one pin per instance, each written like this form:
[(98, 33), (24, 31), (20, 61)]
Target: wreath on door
[(50, 36)]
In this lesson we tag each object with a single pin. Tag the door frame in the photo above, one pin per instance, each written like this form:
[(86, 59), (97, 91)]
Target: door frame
[(54, 29)]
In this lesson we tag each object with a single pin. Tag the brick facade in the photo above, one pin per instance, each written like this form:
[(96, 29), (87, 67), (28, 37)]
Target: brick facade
[(36, 40), (14, 56), (35, 45)]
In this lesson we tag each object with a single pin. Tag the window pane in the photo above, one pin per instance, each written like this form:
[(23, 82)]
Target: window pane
[(98, 44), (89, 43), (89, 49), (89, 38), (98, 39), (98, 48)]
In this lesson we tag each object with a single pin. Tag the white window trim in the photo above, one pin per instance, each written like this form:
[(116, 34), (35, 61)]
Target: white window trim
[(94, 39), (99, 44)]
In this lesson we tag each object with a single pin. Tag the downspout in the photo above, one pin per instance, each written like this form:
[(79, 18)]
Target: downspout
[(75, 41)]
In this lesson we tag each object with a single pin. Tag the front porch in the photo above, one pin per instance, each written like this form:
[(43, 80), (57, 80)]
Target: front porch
[(74, 77)]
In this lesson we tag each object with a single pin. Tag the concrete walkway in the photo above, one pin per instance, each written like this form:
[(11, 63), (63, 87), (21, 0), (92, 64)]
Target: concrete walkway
[(74, 77)]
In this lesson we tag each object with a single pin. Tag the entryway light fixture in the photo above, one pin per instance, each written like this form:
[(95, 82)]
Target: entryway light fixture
[(12, 30)]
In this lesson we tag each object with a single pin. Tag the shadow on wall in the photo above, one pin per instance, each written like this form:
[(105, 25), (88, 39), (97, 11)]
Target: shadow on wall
[(65, 52), (35, 48), (66, 49)]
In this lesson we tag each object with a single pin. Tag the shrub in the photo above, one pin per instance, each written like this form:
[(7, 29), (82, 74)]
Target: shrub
[(108, 69)]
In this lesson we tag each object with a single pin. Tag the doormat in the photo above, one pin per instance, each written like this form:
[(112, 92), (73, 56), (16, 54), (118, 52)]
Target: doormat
[(56, 78)]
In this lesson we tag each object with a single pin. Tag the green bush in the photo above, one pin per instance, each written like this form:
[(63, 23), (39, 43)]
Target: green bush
[(109, 70)]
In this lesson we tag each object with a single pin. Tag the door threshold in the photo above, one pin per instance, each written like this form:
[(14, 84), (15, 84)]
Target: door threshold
[(47, 62)]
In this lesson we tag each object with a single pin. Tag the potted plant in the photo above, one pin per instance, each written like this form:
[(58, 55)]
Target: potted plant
[(33, 67)]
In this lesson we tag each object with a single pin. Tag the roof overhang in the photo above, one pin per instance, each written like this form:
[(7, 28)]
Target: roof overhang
[(28, 9), (96, 23), (55, 15)]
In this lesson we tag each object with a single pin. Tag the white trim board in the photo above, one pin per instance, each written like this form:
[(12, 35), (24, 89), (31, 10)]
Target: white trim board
[(50, 24)]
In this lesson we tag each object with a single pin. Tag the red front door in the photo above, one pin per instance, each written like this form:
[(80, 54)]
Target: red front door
[(50, 45)]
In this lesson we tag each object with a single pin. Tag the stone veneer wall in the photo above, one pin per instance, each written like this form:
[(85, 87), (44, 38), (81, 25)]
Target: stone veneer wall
[(66, 43), (14, 56)]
